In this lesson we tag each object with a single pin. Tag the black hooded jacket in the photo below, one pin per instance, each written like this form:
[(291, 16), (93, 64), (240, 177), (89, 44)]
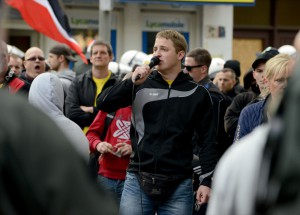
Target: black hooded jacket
[(163, 123)]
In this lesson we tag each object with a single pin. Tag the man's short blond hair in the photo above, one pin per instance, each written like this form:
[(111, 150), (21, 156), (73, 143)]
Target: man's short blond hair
[(178, 39)]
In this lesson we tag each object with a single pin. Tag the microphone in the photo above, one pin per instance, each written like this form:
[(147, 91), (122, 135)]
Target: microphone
[(153, 62)]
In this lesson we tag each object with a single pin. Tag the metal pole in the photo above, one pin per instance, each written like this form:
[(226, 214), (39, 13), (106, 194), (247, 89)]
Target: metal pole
[(105, 8), (3, 16)]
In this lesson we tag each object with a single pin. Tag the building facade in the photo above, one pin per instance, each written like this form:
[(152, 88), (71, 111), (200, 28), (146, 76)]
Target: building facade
[(228, 31)]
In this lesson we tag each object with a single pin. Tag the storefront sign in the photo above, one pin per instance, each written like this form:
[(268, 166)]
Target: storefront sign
[(160, 22)]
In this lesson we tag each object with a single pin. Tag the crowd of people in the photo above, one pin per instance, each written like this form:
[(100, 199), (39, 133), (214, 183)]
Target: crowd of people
[(164, 140)]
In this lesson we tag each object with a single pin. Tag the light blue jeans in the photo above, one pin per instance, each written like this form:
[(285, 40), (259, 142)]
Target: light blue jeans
[(135, 202), (114, 186)]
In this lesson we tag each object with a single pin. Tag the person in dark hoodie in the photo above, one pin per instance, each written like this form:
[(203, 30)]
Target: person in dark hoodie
[(41, 173)]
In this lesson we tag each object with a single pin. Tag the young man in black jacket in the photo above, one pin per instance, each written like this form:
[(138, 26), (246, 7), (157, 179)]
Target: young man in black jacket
[(197, 63), (168, 108)]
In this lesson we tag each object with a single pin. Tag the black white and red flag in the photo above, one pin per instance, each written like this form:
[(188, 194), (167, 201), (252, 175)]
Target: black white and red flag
[(48, 18)]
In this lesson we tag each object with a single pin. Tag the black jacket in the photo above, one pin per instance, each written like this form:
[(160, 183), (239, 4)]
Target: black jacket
[(82, 91), (219, 107), (16, 85), (234, 110), (163, 123), (23, 77)]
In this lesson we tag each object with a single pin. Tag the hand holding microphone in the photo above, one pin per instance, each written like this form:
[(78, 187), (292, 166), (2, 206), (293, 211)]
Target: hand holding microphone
[(153, 62)]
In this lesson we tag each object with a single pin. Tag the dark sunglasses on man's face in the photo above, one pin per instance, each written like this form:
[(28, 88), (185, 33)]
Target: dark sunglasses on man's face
[(189, 68), (35, 58)]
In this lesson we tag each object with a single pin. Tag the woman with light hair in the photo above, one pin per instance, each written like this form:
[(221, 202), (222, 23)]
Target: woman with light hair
[(248, 189), (277, 72)]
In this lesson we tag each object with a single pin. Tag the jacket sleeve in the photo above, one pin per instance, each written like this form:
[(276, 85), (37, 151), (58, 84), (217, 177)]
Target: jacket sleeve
[(73, 110), (118, 96), (232, 116), (206, 131), (243, 127), (95, 130)]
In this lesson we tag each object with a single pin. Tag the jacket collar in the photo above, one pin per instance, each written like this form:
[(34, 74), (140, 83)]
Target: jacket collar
[(181, 77)]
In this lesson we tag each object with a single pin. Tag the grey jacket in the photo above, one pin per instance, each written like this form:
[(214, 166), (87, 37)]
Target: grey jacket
[(46, 93), (66, 77)]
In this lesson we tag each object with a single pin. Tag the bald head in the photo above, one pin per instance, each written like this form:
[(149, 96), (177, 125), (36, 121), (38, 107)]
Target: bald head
[(33, 50), (34, 62)]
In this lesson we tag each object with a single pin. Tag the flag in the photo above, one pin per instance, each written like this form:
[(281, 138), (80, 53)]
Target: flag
[(48, 18)]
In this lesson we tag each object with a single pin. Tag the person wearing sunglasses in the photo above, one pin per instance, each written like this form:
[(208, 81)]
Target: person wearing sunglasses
[(197, 63), (34, 64)]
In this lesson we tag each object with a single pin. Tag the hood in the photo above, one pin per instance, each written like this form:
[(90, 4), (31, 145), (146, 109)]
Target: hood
[(46, 93), (67, 74)]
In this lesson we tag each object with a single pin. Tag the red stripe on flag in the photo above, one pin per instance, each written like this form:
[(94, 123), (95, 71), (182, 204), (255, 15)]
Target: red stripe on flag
[(38, 16)]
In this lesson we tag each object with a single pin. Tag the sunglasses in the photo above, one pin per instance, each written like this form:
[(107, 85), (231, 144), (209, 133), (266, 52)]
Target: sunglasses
[(35, 58), (189, 68)]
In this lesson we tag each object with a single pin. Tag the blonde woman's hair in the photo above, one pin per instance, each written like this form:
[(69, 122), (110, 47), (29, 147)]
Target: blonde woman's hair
[(277, 65)]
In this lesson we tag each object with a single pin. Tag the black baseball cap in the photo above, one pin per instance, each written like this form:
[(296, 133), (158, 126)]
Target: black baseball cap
[(263, 57)]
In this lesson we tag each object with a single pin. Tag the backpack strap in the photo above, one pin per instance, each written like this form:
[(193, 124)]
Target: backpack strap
[(108, 120)]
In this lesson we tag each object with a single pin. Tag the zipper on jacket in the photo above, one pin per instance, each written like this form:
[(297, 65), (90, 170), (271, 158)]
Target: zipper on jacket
[(163, 129)]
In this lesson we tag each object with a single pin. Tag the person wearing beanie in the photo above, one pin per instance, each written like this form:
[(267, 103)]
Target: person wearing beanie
[(235, 66)]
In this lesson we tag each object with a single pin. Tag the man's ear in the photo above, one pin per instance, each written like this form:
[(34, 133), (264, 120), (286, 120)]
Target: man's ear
[(234, 82), (181, 55), (61, 58)]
